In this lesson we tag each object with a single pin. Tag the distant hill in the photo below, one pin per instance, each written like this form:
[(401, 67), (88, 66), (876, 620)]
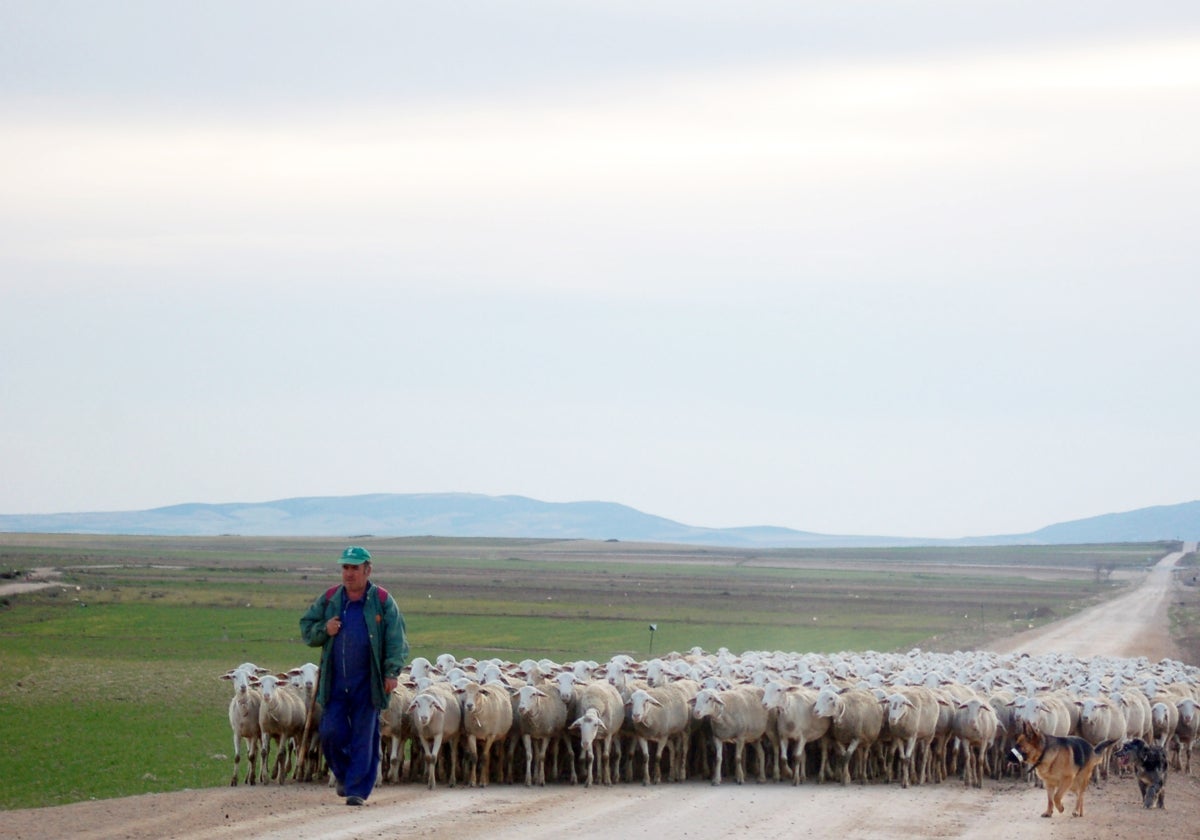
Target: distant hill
[(1165, 522), (475, 515)]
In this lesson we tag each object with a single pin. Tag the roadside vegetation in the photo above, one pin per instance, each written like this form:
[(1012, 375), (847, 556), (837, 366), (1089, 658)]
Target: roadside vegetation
[(109, 680)]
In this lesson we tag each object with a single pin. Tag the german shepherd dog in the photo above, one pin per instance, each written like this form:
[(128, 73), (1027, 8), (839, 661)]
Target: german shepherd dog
[(1063, 763), (1150, 764)]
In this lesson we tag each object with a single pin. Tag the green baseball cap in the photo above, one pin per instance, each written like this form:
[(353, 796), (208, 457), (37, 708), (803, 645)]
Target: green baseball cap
[(354, 555)]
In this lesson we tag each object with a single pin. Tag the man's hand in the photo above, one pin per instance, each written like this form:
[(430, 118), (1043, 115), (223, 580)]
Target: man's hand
[(333, 625), (389, 684)]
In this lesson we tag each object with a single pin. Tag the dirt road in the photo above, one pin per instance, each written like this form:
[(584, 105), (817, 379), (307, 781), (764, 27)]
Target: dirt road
[(32, 581), (1130, 626), (1133, 625)]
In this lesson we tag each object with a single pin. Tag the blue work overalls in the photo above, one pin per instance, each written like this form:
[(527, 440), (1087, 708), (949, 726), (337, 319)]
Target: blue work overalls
[(350, 722)]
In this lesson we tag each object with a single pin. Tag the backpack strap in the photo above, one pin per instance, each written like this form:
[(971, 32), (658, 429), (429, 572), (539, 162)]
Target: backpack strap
[(331, 592)]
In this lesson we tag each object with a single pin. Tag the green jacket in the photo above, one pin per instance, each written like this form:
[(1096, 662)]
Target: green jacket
[(385, 626)]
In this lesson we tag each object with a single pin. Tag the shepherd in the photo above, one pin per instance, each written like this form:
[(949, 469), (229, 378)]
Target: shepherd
[(364, 648)]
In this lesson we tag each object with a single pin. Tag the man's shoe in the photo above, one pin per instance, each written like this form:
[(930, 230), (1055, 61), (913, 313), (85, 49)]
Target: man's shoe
[(355, 800)]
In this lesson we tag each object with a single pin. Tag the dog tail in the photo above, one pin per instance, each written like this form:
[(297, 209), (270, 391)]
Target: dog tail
[(1097, 756)]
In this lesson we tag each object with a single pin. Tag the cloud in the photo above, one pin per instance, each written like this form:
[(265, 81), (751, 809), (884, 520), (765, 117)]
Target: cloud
[(818, 154)]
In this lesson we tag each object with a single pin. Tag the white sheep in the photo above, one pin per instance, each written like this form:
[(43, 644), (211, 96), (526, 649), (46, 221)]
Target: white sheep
[(1136, 707), (395, 729), (281, 718), (1164, 719), (912, 716), (436, 720), (542, 718), (1101, 720), (975, 726), (737, 717), (660, 717), (1048, 714), (1186, 731), (591, 726), (487, 718), (305, 678), (243, 718), (855, 721), (604, 700), (797, 725)]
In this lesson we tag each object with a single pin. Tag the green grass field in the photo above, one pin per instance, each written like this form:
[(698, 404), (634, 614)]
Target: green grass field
[(109, 683)]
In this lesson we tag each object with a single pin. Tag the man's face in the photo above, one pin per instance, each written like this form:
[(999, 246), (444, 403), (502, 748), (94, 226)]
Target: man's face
[(354, 577)]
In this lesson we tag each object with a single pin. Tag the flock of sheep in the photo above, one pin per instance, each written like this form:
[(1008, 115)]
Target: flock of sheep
[(917, 717)]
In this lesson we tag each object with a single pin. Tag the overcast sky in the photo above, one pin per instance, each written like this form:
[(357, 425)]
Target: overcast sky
[(921, 268)]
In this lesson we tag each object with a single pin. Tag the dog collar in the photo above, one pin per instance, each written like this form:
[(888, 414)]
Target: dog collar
[(1021, 758)]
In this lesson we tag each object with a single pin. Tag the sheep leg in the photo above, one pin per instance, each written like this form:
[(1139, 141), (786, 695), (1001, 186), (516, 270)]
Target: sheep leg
[(539, 768), (718, 748), (612, 769), (659, 748), (597, 761), (483, 764), (847, 756), (528, 743), (472, 761), (237, 758), (264, 754), (431, 748), (589, 757), (799, 771), (644, 746)]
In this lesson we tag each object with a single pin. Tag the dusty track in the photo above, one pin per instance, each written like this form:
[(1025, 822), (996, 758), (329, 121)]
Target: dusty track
[(1134, 625)]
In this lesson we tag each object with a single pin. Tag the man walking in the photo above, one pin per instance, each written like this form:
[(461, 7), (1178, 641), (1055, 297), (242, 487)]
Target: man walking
[(362, 636)]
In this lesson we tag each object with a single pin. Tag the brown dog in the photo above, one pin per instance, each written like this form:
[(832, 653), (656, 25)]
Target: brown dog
[(1063, 763)]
